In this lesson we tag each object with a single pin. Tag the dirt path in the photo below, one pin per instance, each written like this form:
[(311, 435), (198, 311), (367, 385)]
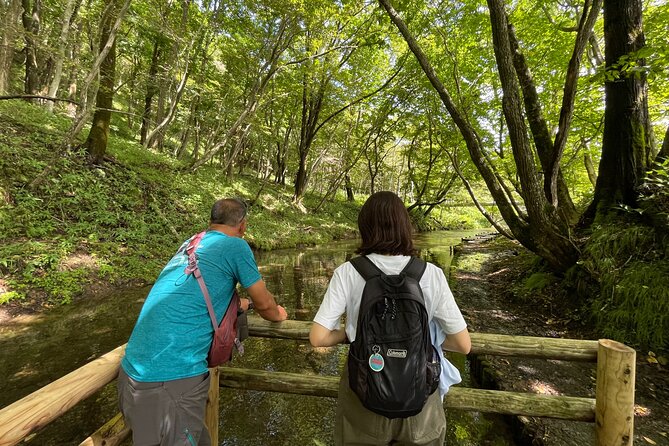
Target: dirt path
[(482, 278)]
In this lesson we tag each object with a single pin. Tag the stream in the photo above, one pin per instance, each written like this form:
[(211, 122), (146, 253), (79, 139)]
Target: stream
[(39, 349)]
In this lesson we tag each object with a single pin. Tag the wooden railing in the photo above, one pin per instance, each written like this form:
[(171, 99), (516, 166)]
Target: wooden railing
[(612, 409)]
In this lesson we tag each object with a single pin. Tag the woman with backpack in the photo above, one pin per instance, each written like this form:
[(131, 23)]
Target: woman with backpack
[(400, 314)]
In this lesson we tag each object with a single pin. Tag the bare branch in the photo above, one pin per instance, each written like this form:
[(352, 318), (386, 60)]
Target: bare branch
[(36, 96)]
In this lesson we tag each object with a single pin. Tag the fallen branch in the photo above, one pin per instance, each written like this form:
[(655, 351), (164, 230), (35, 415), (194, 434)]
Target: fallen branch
[(36, 96)]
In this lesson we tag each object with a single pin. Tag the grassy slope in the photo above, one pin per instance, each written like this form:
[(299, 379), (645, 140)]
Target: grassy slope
[(67, 225)]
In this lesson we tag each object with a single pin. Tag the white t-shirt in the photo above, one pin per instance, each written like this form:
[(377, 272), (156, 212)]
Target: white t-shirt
[(345, 292)]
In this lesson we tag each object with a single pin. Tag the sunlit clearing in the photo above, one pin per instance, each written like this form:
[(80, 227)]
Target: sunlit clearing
[(528, 369), (543, 388), (641, 411), (24, 372), (323, 350), (503, 315)]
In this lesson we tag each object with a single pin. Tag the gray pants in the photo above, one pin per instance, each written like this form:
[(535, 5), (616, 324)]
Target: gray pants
[(165, 413)]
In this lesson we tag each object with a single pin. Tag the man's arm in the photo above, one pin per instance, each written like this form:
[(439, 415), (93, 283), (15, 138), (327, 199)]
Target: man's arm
[(458, 342), (264, 302)]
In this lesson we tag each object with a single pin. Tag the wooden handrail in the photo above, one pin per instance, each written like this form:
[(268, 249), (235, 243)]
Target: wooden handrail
[(612, 408), (38, 409), (482, 343), (493, 401)]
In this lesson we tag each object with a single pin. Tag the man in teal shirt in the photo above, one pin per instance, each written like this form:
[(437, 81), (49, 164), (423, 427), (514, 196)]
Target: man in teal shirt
[(164, 380)]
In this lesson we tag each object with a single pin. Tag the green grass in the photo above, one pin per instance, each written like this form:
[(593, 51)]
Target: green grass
[(67, 224)]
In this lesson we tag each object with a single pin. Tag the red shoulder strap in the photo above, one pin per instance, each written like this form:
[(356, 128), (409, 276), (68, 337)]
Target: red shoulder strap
[(194, 269)]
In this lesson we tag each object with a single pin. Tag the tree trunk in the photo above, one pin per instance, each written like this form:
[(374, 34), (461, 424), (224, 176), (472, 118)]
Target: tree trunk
[(301, 177), (72, 76), (106, 46), (312, 103), (349, 189), (195, 154), (151, 89), (68, 17), (542, 231), (11, 14), (664, 151), (31, 26), (163, 91), (156, 137), (265, 74), (280, 173), (590, 168), (282, 148), (585, 27), (96, 144), (626, 149), (186, 132)]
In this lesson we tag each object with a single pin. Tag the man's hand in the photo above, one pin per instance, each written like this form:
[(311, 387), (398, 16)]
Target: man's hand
[(265, 304), (244, 304), (282, 313)]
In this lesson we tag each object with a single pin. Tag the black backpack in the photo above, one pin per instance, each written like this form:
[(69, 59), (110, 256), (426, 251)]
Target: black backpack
[(392, 365)]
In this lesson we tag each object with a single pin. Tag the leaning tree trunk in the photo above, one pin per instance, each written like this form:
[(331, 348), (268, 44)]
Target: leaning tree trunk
[(96, 144), (68, 16), (151, 90), (541, 230), (105, 47), (626, 145)]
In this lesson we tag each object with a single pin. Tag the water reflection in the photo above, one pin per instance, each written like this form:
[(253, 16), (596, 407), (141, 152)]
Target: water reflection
[(37, 351)]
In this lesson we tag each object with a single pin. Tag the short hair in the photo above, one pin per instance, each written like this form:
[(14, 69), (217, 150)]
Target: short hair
[(385, 226), (228, 211)]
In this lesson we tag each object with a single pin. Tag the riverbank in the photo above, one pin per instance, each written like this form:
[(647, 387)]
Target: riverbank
[(483, 278)]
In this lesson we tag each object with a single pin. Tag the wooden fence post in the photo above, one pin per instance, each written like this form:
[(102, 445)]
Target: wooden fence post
[(211, 412), (614, 407)]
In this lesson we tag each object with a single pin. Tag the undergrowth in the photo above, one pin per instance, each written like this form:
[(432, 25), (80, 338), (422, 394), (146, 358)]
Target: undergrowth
[(627, 259), (66, 224), (450, 218)]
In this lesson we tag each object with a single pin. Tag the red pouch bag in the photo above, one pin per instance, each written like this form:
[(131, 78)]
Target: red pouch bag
[(225, 335)]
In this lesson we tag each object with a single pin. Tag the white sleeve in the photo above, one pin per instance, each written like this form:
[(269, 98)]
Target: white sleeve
[(444, 310), (334, 303)]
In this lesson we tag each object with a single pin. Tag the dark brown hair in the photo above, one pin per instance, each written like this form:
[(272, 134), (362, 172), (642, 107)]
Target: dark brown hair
[(385, 226), (228, 211)]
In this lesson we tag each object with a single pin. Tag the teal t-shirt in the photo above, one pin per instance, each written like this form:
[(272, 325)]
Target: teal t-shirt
[(173, 332)]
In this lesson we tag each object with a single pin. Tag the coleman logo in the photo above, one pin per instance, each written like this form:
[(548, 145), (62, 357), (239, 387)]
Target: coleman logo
[(396, 353)]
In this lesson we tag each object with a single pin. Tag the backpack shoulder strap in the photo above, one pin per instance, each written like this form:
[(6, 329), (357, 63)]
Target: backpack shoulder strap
[(415, 268), (194, 242), (366, 267), (230, 316), (194, 269)]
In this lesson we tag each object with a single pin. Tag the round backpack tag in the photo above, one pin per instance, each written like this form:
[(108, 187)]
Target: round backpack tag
[(376, 361)]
